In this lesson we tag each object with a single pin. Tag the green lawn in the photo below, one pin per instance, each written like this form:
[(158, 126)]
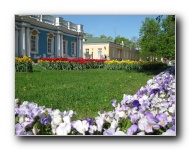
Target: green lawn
[(85, 92)]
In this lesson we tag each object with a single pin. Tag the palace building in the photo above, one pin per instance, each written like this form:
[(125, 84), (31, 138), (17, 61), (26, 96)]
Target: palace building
[(46, 36), (98, 48)]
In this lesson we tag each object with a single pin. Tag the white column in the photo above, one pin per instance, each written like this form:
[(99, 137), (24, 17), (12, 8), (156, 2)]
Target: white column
[(58, 45), (22, 42), (81, 47), (119, 53), (130, 54), (61, 45), (16, 43), (40, 18), (36, 42), (52, 46), (28, 41), (77, 48)]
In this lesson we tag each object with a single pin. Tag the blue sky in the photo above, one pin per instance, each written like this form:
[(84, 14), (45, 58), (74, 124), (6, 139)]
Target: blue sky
[(123, 25)]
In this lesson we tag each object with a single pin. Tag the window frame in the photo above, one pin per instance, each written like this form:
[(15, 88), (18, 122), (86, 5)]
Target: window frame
[(66, 47), (73, 49), (87, 53), (99, 53), (50, 36), (113, 52), (35, 34)]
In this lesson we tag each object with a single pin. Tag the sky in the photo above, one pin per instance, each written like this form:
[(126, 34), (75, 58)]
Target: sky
[(127, 26)]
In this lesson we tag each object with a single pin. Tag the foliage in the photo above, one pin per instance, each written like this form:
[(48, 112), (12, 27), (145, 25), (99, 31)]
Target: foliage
[(149, 35), (70, 64), (143, 55), (158, 36), (102, 36), (127, 42), (135, 43), (167, 38), (23, 64), (132, 65), (87, 35)]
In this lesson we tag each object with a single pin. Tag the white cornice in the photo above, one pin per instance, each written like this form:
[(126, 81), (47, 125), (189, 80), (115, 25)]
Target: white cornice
[(46, 25), (23, 24), (50, 33), (108, 44), (16, 27), (35, 30)]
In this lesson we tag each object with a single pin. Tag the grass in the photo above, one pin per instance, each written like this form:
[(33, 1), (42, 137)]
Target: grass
[(85, 92)]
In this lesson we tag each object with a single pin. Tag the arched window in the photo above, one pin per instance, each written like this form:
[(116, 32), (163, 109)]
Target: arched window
[(65, 47), (73, 48), (34, 41), (50, 43)]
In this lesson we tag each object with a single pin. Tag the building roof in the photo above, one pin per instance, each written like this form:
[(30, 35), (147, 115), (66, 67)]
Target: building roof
[(97, 40), (103, 40), (55, 23)]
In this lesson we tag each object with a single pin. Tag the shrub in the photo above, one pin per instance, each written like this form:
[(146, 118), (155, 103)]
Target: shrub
[(70, 64), (132, 65), (23, 64)]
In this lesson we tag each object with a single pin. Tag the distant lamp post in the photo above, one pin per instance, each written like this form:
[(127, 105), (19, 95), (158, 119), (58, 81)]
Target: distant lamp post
[(92, 53)]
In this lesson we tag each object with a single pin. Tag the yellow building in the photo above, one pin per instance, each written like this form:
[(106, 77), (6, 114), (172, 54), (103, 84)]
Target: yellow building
[(97, 48)]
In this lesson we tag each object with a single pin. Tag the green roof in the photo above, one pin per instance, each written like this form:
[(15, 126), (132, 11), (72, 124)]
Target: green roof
[(97, 40)]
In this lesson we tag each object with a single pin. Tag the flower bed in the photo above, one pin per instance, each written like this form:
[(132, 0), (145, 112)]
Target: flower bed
[(23, 64), (70, 64), (151, 111), (132, 65)]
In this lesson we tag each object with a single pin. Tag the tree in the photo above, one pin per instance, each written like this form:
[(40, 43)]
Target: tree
[(127, 42), (158, 36), (149, 35), (88, 35), (102, 36), (167, 37), (109, 38), (135, 42)]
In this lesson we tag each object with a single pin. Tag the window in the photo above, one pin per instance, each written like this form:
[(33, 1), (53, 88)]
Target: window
[(87, 54), (99, 53), (73, 48), (132, 56), (34, 41), (126, 54), (113, 52), (50, 43), (64, 47), (119, 53)]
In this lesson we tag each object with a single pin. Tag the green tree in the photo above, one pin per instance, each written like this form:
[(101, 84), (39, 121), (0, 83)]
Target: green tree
[(167, 37), (157, 36), (149, 35), (87, 35), (127, 42), (109, 38), (102, 36), (135, 43)]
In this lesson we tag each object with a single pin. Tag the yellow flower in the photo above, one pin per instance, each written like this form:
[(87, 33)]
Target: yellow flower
[(24, 88)]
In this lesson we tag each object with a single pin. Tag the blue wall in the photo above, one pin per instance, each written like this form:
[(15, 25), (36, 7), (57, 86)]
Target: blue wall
[(70, 39), (42, 44)]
